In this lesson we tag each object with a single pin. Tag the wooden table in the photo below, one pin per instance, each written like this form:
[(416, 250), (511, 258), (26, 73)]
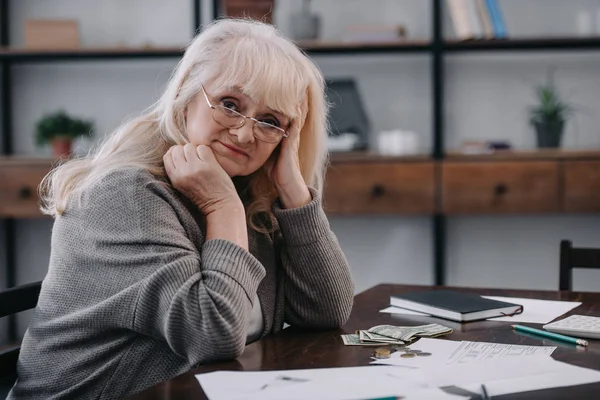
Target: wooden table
[(295, 349)]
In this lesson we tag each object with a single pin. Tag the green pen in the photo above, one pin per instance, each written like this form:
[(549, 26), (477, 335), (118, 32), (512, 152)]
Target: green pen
[(551, 335)]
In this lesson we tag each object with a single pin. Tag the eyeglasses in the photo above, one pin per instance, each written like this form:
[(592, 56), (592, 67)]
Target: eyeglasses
[(229, 118)]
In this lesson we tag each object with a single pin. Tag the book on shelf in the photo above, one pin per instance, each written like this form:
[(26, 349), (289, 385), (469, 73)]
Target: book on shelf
[(476, 19), (455, 306)]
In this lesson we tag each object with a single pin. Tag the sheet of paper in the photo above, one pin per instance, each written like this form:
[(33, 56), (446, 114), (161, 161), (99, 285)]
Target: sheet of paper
[(482, 351), (322, 383), (534, 310), (449, 352), (398, 310), (566, 376), (504, 376)]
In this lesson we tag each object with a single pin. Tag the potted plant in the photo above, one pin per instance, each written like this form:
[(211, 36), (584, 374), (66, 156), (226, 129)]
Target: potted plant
[(549, 116), (59, 129)]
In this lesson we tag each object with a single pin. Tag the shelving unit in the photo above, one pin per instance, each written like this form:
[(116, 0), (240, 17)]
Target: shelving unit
[(436, 48)]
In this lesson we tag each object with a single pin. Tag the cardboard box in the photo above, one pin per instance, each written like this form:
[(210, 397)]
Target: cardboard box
[(51, 34), (261, 10)]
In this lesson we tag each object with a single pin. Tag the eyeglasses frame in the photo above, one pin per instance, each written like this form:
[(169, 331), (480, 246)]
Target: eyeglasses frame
[(284, 132)]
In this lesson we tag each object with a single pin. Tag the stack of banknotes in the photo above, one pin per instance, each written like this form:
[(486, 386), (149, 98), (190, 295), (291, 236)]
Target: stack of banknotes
[(394, 335)]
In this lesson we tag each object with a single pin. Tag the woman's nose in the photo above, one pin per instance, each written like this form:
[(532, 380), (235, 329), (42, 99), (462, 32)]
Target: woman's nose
[(245, 134)]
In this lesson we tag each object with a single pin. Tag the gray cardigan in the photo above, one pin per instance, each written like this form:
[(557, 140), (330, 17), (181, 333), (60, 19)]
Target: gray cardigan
[(134, 295)]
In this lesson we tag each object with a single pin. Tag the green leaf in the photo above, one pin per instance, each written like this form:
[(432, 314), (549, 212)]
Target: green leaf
[(59, 124)]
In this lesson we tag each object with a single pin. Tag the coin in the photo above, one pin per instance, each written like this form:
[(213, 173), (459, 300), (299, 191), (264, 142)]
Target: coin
[(406, 349), (416, 351), (408, 355), (382, 352), (423, 354)]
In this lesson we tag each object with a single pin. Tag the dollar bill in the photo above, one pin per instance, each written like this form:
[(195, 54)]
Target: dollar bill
[(410, 333), (354, 340), (368, 337)]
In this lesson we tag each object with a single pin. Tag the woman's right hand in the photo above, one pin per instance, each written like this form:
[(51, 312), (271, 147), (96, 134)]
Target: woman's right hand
[(195, 172)]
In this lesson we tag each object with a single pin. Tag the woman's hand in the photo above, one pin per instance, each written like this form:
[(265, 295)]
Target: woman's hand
[(287, 177), (194, 172)]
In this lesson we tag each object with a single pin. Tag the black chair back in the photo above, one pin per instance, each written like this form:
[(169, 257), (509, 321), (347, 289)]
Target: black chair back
[(13, 301), (573, 257)]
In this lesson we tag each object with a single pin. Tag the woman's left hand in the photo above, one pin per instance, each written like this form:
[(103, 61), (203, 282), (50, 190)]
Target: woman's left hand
[(287, 177)]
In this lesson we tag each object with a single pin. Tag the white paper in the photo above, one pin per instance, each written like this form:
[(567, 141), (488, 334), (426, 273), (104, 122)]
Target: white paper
[(481, 351), (534, 310), (449, 352), (505, 376), (352, 383), (441, 351), (398, 310)]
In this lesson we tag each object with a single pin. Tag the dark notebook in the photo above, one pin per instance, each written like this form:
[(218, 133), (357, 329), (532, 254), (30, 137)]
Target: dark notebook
[(454, 306)]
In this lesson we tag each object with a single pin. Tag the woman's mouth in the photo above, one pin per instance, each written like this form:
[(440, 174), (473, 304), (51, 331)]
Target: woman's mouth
[(233, 150)]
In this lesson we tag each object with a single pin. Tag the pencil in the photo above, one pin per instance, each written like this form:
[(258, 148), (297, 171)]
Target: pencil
[(551, 335)]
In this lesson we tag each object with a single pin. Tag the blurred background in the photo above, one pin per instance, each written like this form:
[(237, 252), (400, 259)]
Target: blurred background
[(465, 142)]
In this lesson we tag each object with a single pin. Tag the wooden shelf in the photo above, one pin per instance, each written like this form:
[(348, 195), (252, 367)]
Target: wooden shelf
[(532, 43), (541, 154), (341, 47), (360, 157), (28, 160), (314, 47), (16, 54), (23, 54)]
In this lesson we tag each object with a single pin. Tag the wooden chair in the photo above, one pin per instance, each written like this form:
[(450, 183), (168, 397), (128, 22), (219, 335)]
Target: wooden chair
[(572, 257), (13, 301)]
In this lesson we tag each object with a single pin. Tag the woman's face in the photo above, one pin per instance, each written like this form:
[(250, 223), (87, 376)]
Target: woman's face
[(237, 150)]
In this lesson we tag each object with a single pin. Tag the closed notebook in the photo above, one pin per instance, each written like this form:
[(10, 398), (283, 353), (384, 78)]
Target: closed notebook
[(455, 306)]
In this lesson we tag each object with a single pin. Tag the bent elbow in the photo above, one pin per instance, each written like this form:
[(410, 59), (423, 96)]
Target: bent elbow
[(232, 348), (342, 315)]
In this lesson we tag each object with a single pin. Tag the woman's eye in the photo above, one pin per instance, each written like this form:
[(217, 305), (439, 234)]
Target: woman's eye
[(229, 104), (271, 121)]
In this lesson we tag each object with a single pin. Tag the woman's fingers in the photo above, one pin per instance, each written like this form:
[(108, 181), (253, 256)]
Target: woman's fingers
[(178, 155), (189, 151), (205, 153), (168, 161)]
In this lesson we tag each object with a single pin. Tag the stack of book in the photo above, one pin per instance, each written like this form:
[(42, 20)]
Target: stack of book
[(477, 19)]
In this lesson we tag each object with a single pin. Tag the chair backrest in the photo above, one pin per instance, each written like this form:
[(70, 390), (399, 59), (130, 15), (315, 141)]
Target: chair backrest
[(573, 257), (13, 301)]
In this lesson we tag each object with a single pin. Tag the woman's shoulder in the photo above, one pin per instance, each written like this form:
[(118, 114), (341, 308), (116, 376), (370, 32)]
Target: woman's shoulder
[(129, 184)]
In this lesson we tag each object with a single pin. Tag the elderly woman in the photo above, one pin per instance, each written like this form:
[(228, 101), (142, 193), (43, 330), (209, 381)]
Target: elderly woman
[(195, 229)]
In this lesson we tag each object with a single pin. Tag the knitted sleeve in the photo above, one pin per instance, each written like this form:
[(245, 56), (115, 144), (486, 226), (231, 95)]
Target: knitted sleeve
[(195, 298), (318, 286)]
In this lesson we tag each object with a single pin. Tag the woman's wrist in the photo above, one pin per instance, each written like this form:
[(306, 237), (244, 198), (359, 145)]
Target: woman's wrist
[(294, 195), (229, 223)]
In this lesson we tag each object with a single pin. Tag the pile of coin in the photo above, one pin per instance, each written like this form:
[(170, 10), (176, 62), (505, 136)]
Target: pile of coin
[(382, 352)]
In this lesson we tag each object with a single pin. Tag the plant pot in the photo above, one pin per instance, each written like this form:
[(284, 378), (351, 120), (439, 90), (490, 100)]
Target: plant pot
[(549, 133), (61, 147)]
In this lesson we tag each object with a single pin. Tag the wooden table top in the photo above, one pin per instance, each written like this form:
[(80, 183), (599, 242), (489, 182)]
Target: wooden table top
[(296, 349)]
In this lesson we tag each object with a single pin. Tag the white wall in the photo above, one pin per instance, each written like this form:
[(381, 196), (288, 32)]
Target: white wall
[(486, 97)]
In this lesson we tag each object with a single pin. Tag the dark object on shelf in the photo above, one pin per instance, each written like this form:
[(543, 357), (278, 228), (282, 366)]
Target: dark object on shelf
[(499, 145), (549, 116), (485, 146), (261, 10), (305, 25), (347, 114), (549, 133)]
